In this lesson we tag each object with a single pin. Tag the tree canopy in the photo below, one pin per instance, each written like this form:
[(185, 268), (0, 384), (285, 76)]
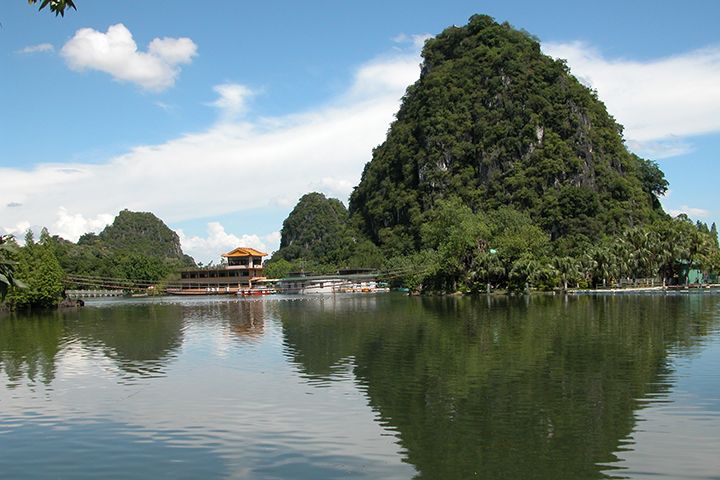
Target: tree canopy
[(494, 122), (502, 170), (57, 7), (317, 237)]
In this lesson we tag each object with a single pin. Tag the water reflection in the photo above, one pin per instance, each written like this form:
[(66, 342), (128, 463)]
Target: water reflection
[(141, 339), (376, 386), (527, 388), (248, 321), (29, 346)]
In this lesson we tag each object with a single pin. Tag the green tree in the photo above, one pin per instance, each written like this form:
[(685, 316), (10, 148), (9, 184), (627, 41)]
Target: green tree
[(277, 268), (318, 230), (488, 269), (8, 265), (458, 235), (57, 7), (42, 274), (568, 268), (494, 122)]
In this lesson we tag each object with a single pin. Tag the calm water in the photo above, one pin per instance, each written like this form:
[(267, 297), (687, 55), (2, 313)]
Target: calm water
[(379, 386)]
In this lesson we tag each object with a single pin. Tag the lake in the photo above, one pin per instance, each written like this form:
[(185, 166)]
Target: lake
[(367, 386)]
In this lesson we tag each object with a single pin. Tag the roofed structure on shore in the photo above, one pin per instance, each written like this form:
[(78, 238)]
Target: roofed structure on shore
[(243, 268)]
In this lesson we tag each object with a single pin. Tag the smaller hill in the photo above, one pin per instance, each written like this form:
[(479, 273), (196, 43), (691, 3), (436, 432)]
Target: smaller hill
[(136, 246), (317, 236), (316, 228), (140, 233)]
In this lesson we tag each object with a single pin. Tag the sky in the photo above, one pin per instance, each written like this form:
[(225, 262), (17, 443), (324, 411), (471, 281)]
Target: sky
[(218, 116)]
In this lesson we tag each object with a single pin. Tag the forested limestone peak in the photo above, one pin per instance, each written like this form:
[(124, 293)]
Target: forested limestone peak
[(317, 228), (495, 122), (139, 233)]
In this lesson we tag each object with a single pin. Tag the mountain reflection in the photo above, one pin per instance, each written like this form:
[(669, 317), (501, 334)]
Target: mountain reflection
[(502, 388), (140, 338)]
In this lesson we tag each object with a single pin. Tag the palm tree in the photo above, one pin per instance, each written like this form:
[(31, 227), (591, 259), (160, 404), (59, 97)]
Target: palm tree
[(568, 268), (602, 262), (640, 255), (527, 270), (487, 266)]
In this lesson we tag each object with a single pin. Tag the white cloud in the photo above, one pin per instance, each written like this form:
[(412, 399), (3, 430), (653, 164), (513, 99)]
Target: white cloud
[(228, 167), (660, 149), (116, 53), (659, 101), (40, 48), (165, 106), (232, 100), (334, 187), (385, 75), (690, 212), (71, 226), (17, 230), (417, 40), (218, 241)]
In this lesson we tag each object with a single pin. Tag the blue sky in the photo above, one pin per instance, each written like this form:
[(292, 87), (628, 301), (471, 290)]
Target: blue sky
[(218, 117)]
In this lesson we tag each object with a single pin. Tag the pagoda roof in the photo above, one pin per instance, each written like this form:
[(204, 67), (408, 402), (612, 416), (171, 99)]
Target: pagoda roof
[(245, 252)]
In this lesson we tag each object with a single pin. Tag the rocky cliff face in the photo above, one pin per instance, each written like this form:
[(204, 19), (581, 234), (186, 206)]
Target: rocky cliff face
[(495, 122)]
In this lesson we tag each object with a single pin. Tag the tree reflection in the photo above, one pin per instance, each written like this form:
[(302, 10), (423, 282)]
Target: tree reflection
[(520, 388), (29, 346), (141, 338)]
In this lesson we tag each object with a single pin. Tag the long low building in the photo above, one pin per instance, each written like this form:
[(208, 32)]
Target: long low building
[(242, 269)]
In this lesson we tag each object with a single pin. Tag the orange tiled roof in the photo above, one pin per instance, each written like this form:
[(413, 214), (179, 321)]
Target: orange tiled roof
[(245, 252)]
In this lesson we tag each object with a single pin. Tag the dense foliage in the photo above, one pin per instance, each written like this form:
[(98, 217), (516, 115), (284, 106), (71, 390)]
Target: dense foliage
[(317, 237), (504, 249), (137, 248), (502, 171), (494, 122), (8, 265), (40, 272), (57, 7)]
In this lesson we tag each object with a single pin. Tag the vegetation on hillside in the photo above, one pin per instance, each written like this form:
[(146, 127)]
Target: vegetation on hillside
[(494, 122), (40, 272), (317, 237), (504, 249), (137, 247), (503, 171)]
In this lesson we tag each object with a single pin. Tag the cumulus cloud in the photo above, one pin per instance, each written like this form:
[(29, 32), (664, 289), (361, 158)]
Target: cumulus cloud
[(232, 99), (17, 230), (335, 187), (690, 212), (659, 101), (416, 40), (71, 226), (116, 53), (218, 241), (40, 48), (660, 149), (378, 78)]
